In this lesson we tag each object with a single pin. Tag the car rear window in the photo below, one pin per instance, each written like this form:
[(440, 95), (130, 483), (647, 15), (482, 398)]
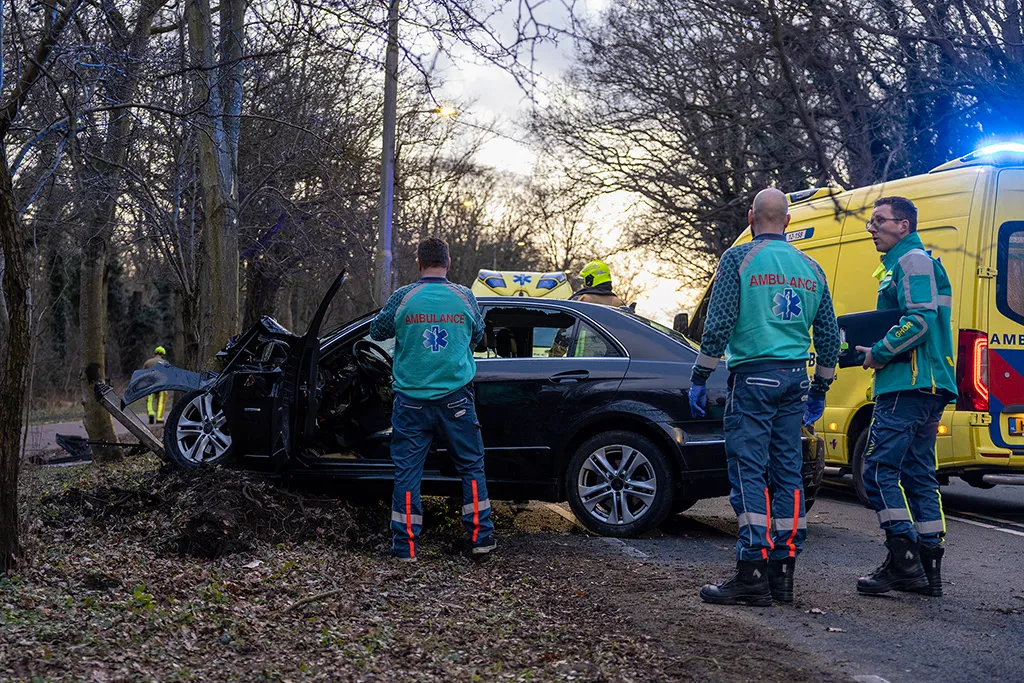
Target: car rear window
[(667, 331)]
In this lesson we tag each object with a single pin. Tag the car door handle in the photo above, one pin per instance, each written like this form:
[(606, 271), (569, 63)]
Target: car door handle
[(569, 376)]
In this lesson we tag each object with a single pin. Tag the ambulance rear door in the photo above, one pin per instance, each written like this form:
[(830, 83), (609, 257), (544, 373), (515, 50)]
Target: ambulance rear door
[(1006, 315)]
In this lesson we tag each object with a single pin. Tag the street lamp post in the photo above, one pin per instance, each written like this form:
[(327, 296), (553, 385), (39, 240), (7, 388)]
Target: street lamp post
[(383, 262), (387, 166)]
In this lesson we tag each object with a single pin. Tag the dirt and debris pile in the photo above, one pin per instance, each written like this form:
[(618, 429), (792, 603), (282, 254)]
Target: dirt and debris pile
[(214, 512)]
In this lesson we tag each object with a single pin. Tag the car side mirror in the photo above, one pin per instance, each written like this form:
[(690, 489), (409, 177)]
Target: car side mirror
[(681, 322)]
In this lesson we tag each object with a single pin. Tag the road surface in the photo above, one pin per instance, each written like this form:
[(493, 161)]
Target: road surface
[(43, 438), (973, 633)]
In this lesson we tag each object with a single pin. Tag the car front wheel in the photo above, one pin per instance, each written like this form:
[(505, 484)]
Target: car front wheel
[(196, 432), (619, 484)]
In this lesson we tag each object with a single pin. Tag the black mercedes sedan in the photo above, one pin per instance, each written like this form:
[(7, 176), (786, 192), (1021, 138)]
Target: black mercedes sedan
[(577, 402)]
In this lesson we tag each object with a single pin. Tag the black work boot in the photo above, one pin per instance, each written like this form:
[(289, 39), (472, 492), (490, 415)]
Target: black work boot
[(748, 587), (901, 570), (780, 579), (931, 558)]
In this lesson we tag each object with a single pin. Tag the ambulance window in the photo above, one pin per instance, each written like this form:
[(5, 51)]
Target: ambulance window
[(1010, 269)]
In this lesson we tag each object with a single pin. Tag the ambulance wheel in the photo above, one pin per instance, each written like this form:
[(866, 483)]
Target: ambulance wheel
[(857, 463), (619, 484), (196, 432)]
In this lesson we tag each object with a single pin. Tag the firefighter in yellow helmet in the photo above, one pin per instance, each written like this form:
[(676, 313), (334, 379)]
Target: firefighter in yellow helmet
[(156, 413), (597, 285), (597, 289)]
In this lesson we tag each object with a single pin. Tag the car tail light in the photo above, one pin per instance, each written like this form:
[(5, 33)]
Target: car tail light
[(972, 371)]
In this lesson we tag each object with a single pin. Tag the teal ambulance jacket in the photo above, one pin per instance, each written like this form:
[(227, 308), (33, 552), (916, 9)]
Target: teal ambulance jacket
[(917, 284), (436, 324), (766, 297)]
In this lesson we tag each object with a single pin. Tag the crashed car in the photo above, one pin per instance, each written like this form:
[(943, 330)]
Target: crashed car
[(576, 401)]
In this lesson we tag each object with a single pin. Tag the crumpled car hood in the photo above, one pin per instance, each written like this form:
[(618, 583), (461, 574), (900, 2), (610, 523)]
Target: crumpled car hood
[(164, 377)]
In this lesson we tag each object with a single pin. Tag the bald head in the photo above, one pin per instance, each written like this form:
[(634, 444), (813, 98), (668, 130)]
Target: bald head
[(770, 212)]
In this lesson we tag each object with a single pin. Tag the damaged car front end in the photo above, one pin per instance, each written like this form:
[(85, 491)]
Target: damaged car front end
[(253, 406)]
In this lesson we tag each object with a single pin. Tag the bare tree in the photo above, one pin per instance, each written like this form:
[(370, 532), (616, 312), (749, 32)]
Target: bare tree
[(790, 93), (217, 67), (16, 284), (101, 176)]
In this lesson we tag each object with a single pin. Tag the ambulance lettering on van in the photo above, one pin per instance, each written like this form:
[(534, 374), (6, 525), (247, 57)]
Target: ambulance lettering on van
[(1007, 340)]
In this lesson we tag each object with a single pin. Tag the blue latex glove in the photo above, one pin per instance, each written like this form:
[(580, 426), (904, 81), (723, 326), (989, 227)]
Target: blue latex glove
[(698, 400), (813, 410)]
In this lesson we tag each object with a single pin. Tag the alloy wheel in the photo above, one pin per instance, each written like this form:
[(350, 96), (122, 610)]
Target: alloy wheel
[(617, 484), (201, 432)]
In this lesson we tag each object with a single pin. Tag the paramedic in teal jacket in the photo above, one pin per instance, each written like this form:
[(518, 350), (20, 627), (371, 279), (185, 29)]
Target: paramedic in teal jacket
[(899, 460), (766, 296), (436, 324)]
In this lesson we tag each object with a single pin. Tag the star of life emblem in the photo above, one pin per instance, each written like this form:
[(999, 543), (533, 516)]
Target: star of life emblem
[(787, 304), (435, 338)]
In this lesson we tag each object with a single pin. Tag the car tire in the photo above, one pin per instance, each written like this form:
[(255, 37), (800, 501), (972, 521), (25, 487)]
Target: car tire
[(857, 463), (619, 484), (181, 438)]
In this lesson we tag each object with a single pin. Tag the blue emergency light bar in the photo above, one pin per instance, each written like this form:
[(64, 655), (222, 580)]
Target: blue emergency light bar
[(997, 148), (996, 154)]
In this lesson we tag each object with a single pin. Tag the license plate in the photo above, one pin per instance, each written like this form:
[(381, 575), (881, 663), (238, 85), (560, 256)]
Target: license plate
[(1016, 426)]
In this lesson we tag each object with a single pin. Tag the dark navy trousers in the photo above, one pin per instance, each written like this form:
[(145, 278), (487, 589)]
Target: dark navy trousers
[(415, 423), (765, 458), (900, 463)]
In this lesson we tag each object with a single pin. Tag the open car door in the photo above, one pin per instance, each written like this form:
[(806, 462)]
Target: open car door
[(272, 400), (300, 379)]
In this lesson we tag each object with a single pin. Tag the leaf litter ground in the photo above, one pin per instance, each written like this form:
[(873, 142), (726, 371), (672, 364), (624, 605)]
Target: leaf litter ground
[(138, 573)]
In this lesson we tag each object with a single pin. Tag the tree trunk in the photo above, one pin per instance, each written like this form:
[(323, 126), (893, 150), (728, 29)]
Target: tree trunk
[(16, 362), (283, 310), (15, 367), (3, 306), (105, 172), (191, 338), (262, 289), (93, 321), (218, 165)]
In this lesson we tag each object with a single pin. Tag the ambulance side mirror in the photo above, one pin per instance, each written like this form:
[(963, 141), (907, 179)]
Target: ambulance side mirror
[(681, 322)]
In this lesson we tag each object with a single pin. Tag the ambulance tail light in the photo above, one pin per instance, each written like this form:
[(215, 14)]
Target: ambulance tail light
[(972, 371)]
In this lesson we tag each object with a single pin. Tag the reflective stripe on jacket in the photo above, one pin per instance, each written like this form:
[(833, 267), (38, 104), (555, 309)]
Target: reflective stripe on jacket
[(917, 284)]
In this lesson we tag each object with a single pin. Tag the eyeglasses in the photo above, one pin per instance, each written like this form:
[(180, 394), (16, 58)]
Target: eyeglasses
[(877, 222)]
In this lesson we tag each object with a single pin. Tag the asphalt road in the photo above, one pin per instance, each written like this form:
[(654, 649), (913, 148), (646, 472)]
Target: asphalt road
[(43, 438), (973, 633)]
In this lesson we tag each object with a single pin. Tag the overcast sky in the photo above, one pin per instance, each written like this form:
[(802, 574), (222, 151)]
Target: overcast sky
[(491, 97)]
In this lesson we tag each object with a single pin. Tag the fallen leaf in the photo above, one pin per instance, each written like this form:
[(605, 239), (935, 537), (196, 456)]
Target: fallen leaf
[(833, 629), (815, 610), (253, 564)]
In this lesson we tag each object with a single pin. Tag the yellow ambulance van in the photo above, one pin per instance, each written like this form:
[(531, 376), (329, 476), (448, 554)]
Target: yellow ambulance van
[(518, 283), (971, 216)]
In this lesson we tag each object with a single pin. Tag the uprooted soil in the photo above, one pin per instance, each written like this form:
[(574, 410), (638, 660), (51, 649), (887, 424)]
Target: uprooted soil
[(213, 514), (142, 574)]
